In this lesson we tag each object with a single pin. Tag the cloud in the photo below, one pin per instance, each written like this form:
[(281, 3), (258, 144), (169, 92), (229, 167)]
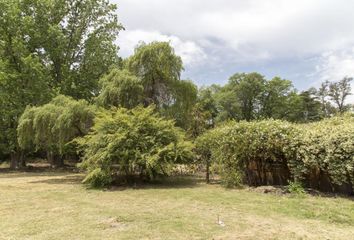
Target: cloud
[(335, 65), (223, 36), (189, 51)]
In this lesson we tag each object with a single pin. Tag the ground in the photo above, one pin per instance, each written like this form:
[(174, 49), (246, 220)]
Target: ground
[(55, 205)]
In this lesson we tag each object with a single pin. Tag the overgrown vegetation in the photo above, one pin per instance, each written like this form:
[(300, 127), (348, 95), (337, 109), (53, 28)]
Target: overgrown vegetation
[(266, 152), (132, 142)]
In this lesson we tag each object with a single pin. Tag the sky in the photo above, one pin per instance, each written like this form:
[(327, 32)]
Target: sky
[(306, 41)]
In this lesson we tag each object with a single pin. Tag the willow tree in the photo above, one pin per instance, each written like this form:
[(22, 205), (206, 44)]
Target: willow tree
[(159, 69), (120, 88), (52, 126)]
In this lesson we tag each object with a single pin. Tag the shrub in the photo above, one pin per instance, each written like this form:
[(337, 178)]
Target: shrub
[(325, 147), (295, 187), (245, 152), (273, 152), (132, 142)]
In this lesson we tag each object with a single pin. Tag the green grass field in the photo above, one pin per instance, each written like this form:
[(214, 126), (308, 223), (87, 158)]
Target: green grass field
[(54, 205)]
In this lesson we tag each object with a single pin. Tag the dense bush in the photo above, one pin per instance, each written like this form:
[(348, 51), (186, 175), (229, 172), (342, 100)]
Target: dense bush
[(324, 149), (273, 152), (252, 152), (130, 143)]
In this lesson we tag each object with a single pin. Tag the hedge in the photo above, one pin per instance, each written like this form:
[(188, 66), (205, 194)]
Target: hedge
[(274, 152)]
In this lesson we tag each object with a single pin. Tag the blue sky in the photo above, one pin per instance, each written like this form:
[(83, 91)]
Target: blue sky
[(306, 41)]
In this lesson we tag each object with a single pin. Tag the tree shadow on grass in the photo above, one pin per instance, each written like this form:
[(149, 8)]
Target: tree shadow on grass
[(66, 179), (173, 182), (36, 171)]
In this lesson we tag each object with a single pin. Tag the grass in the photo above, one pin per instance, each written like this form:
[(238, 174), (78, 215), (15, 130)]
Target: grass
[(54, 205)]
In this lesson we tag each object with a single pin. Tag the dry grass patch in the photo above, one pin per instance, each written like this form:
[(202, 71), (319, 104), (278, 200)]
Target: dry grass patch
[(52, 205)]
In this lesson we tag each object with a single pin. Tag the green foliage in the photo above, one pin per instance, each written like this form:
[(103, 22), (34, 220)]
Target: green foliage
[(248, 89), (49, 47), (159, 69), (120, 88), (295, 187), (131, 142), (73, 41), (256, 145), (183, 100), (52, 126), (327, 146), (238, 149)]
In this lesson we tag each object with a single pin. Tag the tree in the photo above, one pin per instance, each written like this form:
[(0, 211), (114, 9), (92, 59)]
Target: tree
[(205, 111), (248, 88), (132, 142), (23, 78), (183, 100), (49, 47), (53, 126), (120, 88), (73, 40), (303, 107), (159, 69), (339, 91), (274, 99)]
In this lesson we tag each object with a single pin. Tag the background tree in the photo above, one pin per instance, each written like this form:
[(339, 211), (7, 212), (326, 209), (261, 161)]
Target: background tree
[(339, 91), (159, 69), (204, 112), (275, 96), (248, 88), (120, 88), (183, 100)]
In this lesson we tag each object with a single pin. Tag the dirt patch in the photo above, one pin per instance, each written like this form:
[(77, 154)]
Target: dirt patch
[(113, 222), (277, 190)]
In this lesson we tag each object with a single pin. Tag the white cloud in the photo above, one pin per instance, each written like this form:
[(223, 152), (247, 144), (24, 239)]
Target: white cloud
[(335, 65), (239, 35), (189, 51), (274, 28)]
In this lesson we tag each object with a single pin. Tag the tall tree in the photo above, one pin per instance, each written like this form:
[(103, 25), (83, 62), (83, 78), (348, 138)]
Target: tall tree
[(184, 97), (159, 69), (120, 88), (49, 47), (249, 88), (339, 91), (274, 99)]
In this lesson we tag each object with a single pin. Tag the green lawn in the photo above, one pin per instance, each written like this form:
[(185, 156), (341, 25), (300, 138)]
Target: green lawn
[(56, 206)]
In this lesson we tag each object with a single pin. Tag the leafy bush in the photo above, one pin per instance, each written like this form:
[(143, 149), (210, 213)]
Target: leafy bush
[(273, 152), (325, 147), (245, 151), (132, 142)]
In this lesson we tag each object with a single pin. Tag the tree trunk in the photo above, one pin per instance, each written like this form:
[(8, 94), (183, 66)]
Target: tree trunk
[(55, 160), (22, 163), (14, 160), (207, 174), (59, 161)]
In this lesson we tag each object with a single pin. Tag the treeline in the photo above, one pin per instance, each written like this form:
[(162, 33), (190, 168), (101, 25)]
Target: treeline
[(64, 91)]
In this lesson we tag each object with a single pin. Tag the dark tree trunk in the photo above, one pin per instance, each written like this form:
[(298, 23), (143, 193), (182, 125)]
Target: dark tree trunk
[(14, 160), (207, 174), (22, 163), (55, 161)]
